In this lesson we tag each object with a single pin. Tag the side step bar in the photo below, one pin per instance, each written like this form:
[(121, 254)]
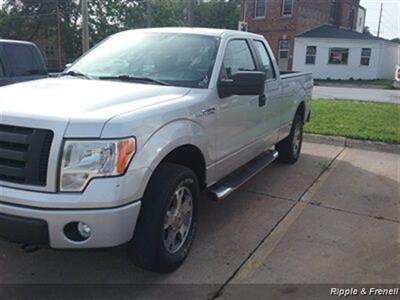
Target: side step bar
[(233, 181)]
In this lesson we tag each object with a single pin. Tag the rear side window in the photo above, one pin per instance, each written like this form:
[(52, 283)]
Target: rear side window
[(22, 60), (1, 69), (266, 63), (237, 58)]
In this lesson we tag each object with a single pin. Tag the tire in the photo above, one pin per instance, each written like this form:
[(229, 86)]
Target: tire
[(290, 148), (160, 242)]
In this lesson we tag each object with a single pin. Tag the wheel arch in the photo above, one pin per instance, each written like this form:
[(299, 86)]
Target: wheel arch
[(301, 110)]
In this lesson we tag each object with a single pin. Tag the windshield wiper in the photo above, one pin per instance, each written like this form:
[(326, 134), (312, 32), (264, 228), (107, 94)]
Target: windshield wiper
[(128, 78), (77, 74)]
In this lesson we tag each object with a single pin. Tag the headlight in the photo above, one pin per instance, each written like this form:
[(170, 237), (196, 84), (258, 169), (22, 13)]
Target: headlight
[(84, 160)]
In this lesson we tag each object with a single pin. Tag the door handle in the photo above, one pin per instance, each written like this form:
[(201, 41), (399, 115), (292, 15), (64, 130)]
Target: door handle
[(262, 100)]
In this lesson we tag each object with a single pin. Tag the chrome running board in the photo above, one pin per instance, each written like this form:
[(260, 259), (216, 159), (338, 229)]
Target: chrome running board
[(233, 181)]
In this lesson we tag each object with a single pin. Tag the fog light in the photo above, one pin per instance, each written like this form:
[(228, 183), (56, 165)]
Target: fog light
[(77, 231), (84, 230)]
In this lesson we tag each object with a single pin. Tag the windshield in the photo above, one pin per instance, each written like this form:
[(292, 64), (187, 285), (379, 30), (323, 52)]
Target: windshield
[(176, 59)]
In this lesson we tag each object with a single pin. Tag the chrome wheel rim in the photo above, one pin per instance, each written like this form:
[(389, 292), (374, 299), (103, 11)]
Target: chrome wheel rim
[(297, 139), (178, 219)]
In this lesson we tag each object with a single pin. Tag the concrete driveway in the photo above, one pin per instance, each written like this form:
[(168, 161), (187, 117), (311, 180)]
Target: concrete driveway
[(332, 218), (362, 94)]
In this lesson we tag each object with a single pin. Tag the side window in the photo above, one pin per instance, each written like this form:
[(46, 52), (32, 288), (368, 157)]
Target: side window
[(259, 8), (1, 69), (237, 58), (22, 60), (266, 63), (365, 56), (311, 53)]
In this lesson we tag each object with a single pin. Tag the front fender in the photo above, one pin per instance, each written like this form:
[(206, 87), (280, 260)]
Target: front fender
[(169, 137)]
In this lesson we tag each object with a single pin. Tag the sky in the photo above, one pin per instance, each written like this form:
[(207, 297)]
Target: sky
[(390, 27)]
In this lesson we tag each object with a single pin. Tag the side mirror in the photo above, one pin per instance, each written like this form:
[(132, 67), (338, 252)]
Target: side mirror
[(68, 65), (243, 83)]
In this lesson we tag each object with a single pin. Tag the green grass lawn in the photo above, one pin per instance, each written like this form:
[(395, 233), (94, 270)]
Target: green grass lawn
[(355, 119)]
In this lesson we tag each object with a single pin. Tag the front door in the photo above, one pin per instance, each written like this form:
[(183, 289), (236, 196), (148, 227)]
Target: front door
[(283, 60), (240, 118)]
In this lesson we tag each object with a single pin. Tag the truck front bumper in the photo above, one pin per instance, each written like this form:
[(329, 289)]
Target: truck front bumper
[(47, 227)]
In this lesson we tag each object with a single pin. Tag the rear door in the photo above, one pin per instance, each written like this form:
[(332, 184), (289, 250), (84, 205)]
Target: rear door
[(24, 62), (273, 93)]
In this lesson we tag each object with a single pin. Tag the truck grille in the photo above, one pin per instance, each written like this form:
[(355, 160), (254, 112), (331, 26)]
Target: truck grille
[(24, 154)]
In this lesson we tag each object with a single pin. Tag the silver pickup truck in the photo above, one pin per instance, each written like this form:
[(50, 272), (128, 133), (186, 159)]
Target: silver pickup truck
[(126, 142)]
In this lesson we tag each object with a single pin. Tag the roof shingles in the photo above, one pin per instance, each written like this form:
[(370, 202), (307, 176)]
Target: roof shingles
[(335, 32)]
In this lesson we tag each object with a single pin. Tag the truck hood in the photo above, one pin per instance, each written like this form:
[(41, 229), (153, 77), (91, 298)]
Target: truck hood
[(83, 105)]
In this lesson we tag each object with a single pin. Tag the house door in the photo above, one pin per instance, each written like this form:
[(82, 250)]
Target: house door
[(283, 57)]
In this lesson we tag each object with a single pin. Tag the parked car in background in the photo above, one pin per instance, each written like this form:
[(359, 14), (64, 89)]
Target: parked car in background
[(396, 83), (20, 61), (120, 146)]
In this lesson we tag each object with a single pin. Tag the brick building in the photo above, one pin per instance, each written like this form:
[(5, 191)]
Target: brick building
[(281, 20)]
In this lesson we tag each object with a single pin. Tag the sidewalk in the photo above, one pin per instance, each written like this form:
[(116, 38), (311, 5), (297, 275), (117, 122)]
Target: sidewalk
[(362, 94)]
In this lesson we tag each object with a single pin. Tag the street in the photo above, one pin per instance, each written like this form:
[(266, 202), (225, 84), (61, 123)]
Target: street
[(334, 217), (347, 93)]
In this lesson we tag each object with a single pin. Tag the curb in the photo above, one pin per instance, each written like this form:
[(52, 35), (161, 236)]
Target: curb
[(351, 143)]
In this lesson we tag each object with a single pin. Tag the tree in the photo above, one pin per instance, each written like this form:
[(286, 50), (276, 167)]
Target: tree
[(217, 14), (396, 40), (28, 19), (36, 19), (107, 17)]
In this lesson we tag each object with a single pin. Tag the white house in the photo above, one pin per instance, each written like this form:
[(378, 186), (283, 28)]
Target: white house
[(335, 53)]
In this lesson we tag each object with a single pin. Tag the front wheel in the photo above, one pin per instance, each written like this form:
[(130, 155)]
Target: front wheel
[(289, 149), (168, 218)]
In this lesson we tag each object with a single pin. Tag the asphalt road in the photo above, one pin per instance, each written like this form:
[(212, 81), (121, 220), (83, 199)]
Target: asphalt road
[(333, 218), (347, 93)]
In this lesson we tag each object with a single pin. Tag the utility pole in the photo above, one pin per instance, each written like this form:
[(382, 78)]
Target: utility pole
[(149, 13), (380, 20), (59, 51), (189, 13), (244, 10), (85, 26)]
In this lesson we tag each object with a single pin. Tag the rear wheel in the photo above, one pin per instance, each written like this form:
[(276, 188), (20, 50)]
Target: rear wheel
[(289, 149), (168, 219)]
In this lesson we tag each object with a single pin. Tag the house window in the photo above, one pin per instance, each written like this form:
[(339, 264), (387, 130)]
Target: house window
[(333, 12), (365, 56), (287, 7), (338, 56), (283, 49), (311, 53), (351, 18), (259, 8)]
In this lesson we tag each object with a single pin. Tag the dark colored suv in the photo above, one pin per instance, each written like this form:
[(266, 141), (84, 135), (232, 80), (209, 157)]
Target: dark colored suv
[(20, 61)]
